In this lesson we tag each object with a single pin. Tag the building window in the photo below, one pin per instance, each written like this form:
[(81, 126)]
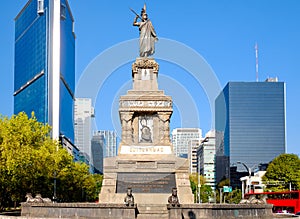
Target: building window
[(40, 6), (63, 12)]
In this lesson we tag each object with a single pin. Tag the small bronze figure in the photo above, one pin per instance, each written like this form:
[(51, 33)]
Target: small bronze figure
[(129, 199), (173, 199)]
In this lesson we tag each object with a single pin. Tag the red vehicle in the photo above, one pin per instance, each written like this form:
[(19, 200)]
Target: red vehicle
[(288, 201)]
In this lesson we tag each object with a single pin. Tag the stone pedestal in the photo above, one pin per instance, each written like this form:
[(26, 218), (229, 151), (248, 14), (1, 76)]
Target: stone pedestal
[(151, 178), (145, 160)]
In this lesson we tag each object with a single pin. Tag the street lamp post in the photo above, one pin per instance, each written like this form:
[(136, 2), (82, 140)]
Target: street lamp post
[(199, 182), (199, 189), (54, 198), (198, 157), (249, 184)]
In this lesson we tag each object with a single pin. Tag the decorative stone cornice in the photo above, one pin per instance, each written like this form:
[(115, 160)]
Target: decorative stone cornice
[(145, 63)]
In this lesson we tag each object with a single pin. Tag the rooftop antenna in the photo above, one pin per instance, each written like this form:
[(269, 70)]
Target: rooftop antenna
[(256, 62)]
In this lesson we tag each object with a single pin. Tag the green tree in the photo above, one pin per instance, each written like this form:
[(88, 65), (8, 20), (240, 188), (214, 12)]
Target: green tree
[(206, 193), (30, 159), (234, 197), (282, 171), (75, 183), (22, 141), (205, 190), (224, 182)]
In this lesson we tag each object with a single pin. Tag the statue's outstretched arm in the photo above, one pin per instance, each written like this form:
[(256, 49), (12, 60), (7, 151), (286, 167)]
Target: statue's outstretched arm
[(135, 23)]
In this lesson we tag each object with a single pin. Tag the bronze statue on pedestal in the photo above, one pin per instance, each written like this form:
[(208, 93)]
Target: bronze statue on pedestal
[(147, 33), (173, 199), (129, 199)]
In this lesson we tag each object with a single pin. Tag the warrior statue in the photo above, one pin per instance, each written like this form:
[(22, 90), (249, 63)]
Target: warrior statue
[(147, 33)]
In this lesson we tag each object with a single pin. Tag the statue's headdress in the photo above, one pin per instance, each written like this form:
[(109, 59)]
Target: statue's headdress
[(144, 10)]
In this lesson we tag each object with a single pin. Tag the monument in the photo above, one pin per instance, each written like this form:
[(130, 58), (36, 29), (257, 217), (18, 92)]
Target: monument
[(145, 162), (138, 182)]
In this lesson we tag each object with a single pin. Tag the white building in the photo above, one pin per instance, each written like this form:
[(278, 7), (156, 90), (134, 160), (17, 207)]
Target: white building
[(181, 139), (192, 155), (252, 184), (206, 159), (83, 113)]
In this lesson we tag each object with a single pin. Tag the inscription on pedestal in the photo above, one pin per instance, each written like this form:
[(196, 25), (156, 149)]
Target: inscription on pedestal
[(146, 182), (145, 103), (135, 149)]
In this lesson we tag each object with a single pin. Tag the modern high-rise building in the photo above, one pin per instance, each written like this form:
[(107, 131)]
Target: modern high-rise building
[(192, 155), (44, 73), (181, 138), (222, 161), (206, 154), (83, 114), (97, 152), (251, 115), (109, 143)]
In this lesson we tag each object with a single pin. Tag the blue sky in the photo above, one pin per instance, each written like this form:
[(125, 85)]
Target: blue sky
[(222, 32)]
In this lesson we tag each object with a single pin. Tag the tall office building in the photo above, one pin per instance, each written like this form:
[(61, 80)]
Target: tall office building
[(251, 115), (181, 138), (44, 74), (110, 142), (222, 161), (206, 154), (83, 113), (97, 152)]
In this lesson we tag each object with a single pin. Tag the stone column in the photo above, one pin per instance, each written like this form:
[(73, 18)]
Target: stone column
[(164, 127), (127, 129)]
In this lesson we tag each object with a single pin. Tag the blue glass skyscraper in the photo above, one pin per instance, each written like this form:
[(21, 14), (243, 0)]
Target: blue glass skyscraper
[(251, 116), (44, 75)]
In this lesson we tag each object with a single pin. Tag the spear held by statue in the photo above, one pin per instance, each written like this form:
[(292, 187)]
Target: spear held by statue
[(135, 13)]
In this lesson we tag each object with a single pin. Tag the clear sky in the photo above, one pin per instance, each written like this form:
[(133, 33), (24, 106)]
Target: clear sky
[(221, 32)]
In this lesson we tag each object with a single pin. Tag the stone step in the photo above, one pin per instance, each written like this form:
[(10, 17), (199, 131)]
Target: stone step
[(153, 216), (153, 212), (152, 208), (148, 211)]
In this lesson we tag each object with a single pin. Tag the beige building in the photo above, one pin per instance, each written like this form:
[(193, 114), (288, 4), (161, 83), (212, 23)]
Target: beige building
[(181, 140)]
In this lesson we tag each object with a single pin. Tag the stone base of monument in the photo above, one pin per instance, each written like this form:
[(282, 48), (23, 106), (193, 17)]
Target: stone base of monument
[(151, 178), (78, 210), (221, 211), (120, 211)]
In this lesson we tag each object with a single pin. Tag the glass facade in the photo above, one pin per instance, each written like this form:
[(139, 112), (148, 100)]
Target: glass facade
[(97, 144), (252, 117), (109, 142), (32, 73), (30, 81)]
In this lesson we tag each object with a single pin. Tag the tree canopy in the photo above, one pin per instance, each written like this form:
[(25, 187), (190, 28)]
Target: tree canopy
[(283, 172), (30, 160), (205, 190)]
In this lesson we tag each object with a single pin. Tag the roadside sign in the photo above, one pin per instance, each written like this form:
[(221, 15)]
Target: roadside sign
[(227, 189)]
